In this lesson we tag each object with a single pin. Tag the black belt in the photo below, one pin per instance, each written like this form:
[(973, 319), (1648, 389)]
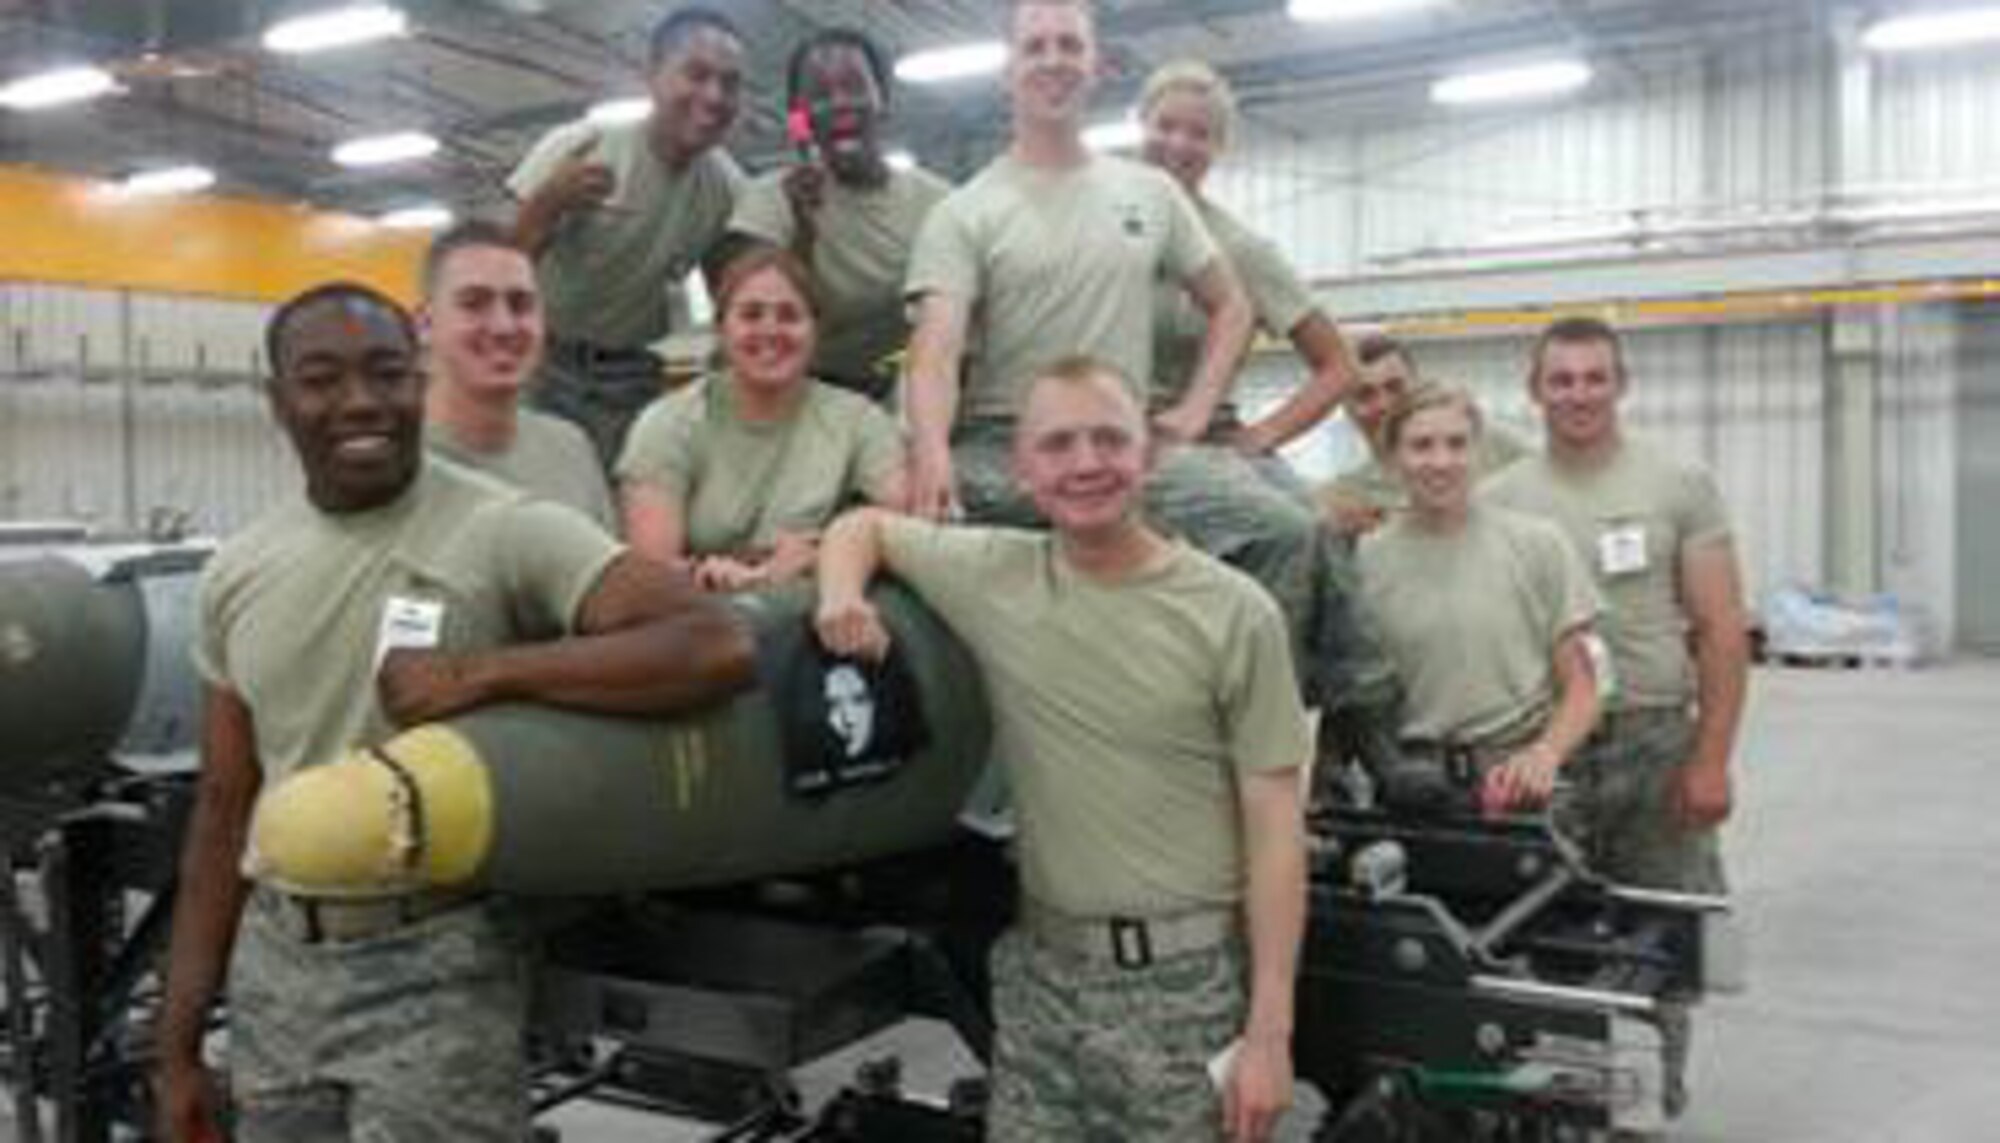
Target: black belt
[(588, 355)]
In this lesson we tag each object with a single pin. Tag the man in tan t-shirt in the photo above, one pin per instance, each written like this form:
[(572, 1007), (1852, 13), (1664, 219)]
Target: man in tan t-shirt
[(1652, 785), (1145, 709), (396, 590), (1050, 251), (618, 215), (481, 321)]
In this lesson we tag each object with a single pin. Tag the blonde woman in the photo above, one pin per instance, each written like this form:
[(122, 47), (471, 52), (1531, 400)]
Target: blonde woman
[(1189, 114), (1485, 612)]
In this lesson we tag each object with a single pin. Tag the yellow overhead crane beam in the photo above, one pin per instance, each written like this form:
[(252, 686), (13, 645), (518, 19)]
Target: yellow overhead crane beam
[(1750, 306), (80, 232)]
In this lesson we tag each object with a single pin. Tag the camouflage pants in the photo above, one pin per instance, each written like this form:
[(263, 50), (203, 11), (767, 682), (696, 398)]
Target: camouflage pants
[(1088, 1052), (600, 395), (1620, 806), (1620, 810), (1219, 501), (414, 1036)]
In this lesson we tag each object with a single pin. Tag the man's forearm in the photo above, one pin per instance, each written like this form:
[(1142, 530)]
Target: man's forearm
[(850, 556), (1274, 907), (208, 906), (1230, 325), (683, 662), (932, 400), (1722, 679), (535, 223)]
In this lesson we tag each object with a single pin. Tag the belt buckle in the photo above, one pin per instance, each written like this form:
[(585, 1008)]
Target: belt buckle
[(382, 917), (1131, 943)]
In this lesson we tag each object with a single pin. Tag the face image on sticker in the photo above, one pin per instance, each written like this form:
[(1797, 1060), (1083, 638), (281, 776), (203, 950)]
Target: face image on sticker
[(1621, 550), (850, 709)]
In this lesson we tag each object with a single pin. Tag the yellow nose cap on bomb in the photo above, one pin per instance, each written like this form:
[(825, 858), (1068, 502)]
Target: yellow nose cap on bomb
[(415, 813)]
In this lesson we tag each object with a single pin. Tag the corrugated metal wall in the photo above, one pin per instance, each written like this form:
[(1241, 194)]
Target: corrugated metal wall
[(1746, 129), (1938, 114), (127, 411)]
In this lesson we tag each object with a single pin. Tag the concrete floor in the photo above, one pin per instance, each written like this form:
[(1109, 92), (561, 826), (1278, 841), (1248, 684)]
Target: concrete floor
[(1865, 864), (1865, 868)]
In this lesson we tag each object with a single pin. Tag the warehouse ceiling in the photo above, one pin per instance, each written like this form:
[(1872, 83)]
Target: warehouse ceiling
[(487, 76)]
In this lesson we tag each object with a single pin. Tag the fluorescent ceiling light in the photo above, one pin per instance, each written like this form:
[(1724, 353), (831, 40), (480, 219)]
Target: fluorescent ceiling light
[(336, 28), (1915, 31), (381, 150), (169, 180), (1527, 81), (942, 65), (1352, 11), (55, 88), (430, 216), (900, 161), (1123, 135), (615, 111)]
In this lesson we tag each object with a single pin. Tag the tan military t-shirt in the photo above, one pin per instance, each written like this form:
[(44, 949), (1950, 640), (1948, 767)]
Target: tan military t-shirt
[(549, 457), (296, 607), (1056, 263), (1125, 714), (1630, 521), (740, 482), (1281, 301), (1372, 484), (860, 255), (1471, 621), (607, 273)]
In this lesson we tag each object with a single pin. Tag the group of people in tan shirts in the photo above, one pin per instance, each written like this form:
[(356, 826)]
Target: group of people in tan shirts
[(1015, 396)]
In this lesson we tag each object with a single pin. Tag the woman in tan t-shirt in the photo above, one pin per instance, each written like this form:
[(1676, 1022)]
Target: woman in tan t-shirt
[(1485, 613), (734, 476)]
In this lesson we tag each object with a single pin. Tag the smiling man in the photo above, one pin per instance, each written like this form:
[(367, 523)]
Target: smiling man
[(1652, 785), (481, 322), (1051, 250), (1146, 711), (395, 590), (848, 214), (617, 215)]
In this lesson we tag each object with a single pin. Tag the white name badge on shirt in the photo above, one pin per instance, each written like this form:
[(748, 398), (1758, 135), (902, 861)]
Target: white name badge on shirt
[(413, 623), (1621, 550)]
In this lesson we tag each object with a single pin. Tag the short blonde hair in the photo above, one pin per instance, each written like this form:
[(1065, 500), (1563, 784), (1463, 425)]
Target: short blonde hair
[(1081, 370), (1195, 78), (1423, 397)]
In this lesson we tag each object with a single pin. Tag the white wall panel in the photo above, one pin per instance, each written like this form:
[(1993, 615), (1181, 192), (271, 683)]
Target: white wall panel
[(1935, 116), (200, 442), (203, 452), (209, 453), (62, 459), (1746, 128)]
